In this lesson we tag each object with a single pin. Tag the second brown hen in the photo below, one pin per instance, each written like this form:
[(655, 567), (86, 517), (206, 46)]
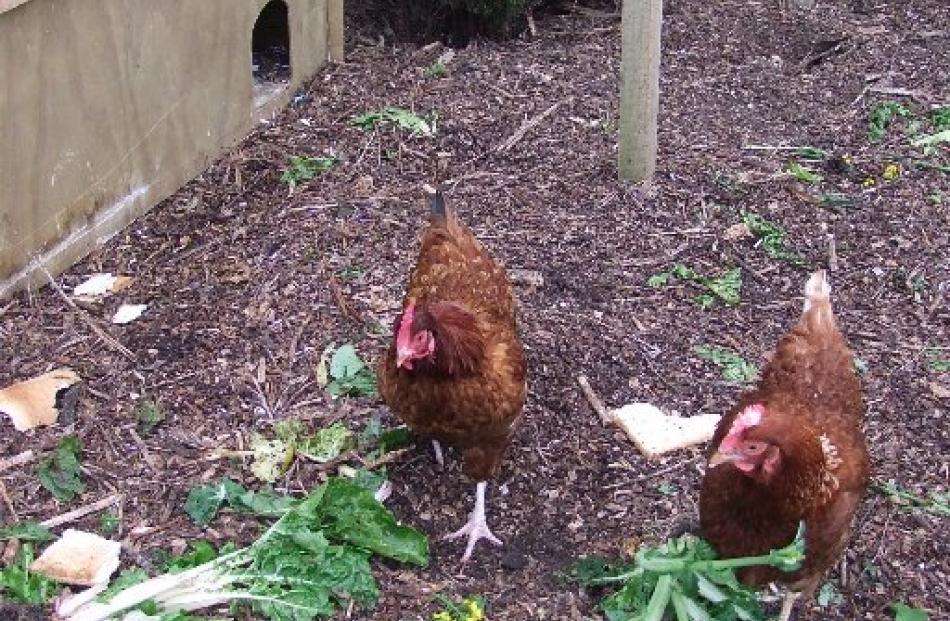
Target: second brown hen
[(791, 450)]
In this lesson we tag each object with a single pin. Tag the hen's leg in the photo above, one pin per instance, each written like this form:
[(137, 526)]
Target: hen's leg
[(476, 528), (788, 604), (438, 454)]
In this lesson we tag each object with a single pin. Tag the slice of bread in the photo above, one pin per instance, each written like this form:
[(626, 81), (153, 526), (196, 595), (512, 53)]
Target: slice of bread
[(655, 433), (78, 557)]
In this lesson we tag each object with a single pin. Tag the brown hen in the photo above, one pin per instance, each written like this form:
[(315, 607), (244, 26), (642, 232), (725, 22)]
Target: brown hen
[(791, 450), (455, 371)]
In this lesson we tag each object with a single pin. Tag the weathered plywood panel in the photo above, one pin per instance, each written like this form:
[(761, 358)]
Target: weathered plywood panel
[(108, 106)]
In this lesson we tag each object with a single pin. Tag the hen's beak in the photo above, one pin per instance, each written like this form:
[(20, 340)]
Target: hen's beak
[(720, 458), (403, 358)]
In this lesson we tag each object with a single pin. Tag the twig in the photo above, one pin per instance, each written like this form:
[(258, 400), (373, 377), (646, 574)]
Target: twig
[(593, 399), (385, 459), (146, 454), (108, 340), (3, 311), (9, 501), (528, 126), (531, 25), (898, 92), (832, 253), (81, 512), (17, 460), (762, 279)]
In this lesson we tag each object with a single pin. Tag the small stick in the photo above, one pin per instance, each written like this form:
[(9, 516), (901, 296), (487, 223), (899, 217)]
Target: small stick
[(9, 501), (385, 459), (832, 253), (146, 454), (81, 512), (17, 460), (898, 92), (108, 340), (528, 126), (593, 399), (531, 25)]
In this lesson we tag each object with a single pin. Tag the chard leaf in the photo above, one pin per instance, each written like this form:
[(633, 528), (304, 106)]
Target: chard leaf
[(59, 472), (127, 578), (27, 530), (272, 458), (734, 368), (327, 444), (352, 515), (395, 439), (345, 362), (903, 612), (204, 502), (199, 553), (19, 584)]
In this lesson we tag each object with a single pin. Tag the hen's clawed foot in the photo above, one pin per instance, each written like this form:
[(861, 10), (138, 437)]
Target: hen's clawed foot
[(477, 527)]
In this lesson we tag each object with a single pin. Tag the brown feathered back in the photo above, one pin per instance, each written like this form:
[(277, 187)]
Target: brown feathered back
[(813, 413), (472, 392)]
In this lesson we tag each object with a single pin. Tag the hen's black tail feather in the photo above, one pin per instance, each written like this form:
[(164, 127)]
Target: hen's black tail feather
[(436, 201)]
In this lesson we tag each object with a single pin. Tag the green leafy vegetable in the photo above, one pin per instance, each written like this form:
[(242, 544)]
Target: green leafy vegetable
[(204, 502), (148, 415), (328, 443), (803, 174), (351, 376), (436, 70), (125, 579), (59, 472), (472, 608), (881, 117), (398, 116), (19, 584), (828, 595), (272, 458), (303, 168), (938, 503), (936, 361), (25, 531), (734, 367), (314, 559), (726, 287), (772, 237), (658, 280), (834, 200), (109, 523), (683, 578), (811, 153), (941, 118), (903, 612)]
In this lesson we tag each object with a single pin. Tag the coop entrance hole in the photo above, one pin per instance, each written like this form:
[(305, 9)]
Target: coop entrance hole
[(270, 52)]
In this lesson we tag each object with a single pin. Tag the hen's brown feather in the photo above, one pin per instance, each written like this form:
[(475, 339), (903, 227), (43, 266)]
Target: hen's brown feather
[(813, 399), (473, 393)]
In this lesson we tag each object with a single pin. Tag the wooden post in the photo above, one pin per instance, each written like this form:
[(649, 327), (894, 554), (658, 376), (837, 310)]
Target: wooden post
[(335, 30), (639, 88)]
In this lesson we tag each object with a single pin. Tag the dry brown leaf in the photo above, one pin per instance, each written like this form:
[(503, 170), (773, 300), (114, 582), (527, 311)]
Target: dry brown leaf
[(737, 232), (80, 558), (32, 402), (939, 390)]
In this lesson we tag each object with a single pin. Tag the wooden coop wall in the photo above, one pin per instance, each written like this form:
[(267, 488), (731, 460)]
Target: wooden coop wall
[(109, 106)]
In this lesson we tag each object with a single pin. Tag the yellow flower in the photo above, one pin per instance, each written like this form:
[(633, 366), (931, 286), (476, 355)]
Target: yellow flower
[(442, 616), (891, 172), (475, 612), (869, 182)]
